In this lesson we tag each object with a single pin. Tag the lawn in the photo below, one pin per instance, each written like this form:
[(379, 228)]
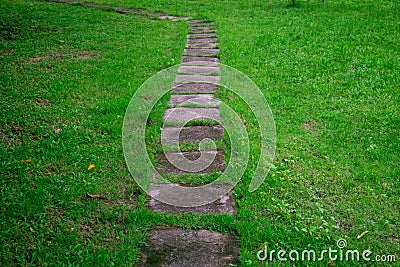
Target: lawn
[(330, 74)]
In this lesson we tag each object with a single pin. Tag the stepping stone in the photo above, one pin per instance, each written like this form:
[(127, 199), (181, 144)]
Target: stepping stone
[(180, 78), (200, 63), (205, 100), (194, 23), (176, 135), (200, 21), (202, 25), (202, 29), (224, 205), (176, 247), (189, 114), (190, 162), (202, 45), (201, 52), (198, 69), (202, 40), (199, 60), (195, 88), (200, 35), (173, 18)]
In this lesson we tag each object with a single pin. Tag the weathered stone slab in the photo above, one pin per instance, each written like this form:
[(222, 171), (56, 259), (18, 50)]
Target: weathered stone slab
[(176, 247), (200, 60), (202, 45), (173, 18), (188, 162), (200, 35), (189, 195), (192, 134), (188, 114), (180, 78), (200, 23), (195, 88), (201, 52), (202, 40), (205, 100), (203, 27), (202, 30), (201, 63), (198, 69), (224, 205)]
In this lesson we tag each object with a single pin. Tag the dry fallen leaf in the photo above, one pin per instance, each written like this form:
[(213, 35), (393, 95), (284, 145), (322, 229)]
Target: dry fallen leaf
[(56, 131), (91, 166), (27, 161), (142, 260), (94, 196), (362, 234), (17, 128)]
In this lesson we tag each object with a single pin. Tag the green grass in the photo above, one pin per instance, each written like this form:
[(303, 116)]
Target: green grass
[(73, 68), (329, 72)]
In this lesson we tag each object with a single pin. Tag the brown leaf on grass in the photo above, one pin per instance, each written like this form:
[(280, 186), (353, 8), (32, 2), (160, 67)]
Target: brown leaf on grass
[(27, 161), (17, 128), (142, 260), (94, 196), (42, 102), (362, 234)]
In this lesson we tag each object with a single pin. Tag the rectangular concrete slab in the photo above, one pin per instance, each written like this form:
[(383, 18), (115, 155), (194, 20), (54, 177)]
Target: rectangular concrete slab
[(176, 247), (224, 205), (201, 64), (198, 167), (202, 40), (202, 25), (194, 23), (202, 29), (200, 61), (180, 78), (200, 35), (201, 52), (188, 114), (195, 88), (202, 45), (201, 100), (191, 134), (198, 69)]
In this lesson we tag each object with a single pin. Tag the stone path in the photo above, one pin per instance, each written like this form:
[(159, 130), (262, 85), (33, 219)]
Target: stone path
[(192, 100)]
